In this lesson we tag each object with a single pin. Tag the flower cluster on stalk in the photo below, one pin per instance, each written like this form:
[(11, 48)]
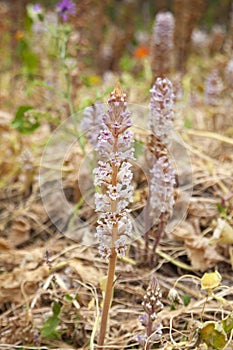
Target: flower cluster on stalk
[(161, 125), (152, 305), (114, 177), (162, 187), (161, 109)]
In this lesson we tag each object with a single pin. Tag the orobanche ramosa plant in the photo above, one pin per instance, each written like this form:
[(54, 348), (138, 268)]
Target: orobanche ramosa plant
[(151, 305), (113, 176), (109, 134), (162, 175)]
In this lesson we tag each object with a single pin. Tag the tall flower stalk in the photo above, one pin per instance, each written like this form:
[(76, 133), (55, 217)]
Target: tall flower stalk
[(162, 182), (113, 176)]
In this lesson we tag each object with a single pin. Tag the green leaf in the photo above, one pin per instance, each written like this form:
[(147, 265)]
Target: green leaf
[(212, 333), (187, 123), (27, 56), (222, 210), (49, 328), (138, 148), (172, 307), (227, 323), (56, 309), (69, 297), (186, 299), (23, 122), (127, 63), (82, 142)]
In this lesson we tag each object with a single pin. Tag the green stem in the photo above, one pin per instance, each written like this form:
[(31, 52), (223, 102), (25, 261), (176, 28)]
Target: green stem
[(67, 92), (108, 297)]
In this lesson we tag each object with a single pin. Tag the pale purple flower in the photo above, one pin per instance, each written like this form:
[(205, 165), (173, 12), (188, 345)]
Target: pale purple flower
[(116, 122), (161, 109), (104, 229), (102, 174), (151, 305), (65, 8), (113, 176), (37, 9), (162, 43), (213, 88), (162, 188), (162, 174), (102, 202), (92, 121), (200, 40), (163, 30), (141, 339), (229, 72)]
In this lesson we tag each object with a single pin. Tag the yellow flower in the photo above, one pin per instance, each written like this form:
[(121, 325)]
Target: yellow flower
[(19, 35), (211, 280)]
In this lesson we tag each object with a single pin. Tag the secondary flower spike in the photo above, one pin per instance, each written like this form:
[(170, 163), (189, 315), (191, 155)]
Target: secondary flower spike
[(162, 188), (151, 305), (162, 44), (161, 109), (161, 124), (162, 175), (114, 177)]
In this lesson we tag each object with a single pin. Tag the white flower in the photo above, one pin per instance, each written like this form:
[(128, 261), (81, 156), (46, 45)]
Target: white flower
[(102, 174), (161, 109), (102, 202), (213, 88), (92, 121), (162, 187), (113, 176)]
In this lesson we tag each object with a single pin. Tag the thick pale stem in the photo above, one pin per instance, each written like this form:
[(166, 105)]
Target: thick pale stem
[(112, 261), (108, 296)]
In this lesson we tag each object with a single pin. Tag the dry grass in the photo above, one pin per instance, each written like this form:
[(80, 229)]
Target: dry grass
[(39, 265)]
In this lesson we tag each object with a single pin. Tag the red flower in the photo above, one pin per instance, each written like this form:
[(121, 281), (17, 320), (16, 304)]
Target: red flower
[(141, 51)]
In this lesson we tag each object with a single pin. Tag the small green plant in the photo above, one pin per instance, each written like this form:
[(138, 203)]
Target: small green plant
[(50, 327), (54, 326), (57, 33), (27, 119)]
